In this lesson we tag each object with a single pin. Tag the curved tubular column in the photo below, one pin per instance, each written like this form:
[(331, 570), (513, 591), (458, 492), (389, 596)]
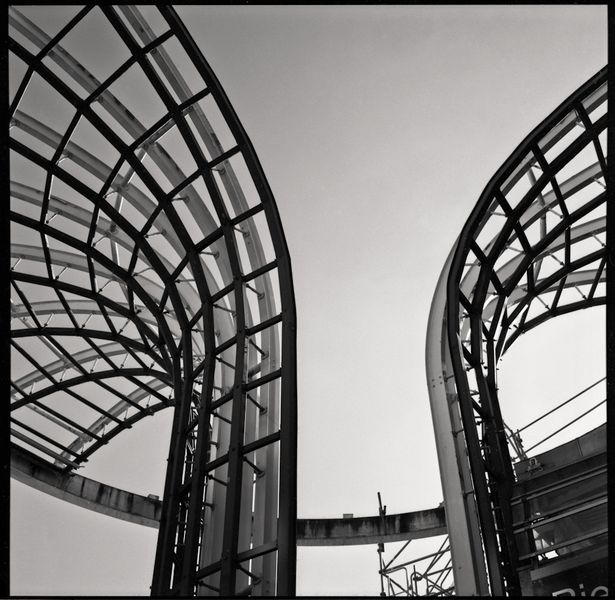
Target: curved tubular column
[(149, 270), (532, 249), (462, 516)]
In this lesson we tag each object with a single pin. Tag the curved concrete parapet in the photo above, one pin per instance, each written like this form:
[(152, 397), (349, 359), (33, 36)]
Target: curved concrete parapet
[(371, 530), (146, 510), (82, 491)]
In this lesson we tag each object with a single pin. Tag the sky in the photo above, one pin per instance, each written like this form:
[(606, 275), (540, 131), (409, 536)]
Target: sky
[(377, 128)]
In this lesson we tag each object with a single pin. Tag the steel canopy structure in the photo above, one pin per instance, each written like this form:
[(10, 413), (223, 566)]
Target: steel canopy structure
[(150, 270), (532, 249)]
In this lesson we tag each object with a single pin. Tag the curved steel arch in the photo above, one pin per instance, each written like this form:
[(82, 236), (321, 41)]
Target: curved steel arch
[(533, 248), (150, 270)]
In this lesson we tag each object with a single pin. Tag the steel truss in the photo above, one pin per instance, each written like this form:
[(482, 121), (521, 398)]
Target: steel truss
[(533, 248), (150, 270)]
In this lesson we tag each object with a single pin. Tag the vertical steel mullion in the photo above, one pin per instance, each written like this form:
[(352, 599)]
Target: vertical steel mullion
[(266, 488), (196, 510), (472, 438), (183, 405), (505, 474), (235, 461), (505, 463), (481, 491), (247, 523), (163, 562), (287, 530)]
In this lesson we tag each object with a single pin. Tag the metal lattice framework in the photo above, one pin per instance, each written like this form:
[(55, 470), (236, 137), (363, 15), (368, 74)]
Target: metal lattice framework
[(533, 248), (428, 575), (150, 270)]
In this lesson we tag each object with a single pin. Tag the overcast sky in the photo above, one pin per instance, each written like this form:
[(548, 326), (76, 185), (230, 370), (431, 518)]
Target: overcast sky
[(377, 128)]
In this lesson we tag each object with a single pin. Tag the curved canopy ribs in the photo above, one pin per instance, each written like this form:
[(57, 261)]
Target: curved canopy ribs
[(533, 248), (149, 269)]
